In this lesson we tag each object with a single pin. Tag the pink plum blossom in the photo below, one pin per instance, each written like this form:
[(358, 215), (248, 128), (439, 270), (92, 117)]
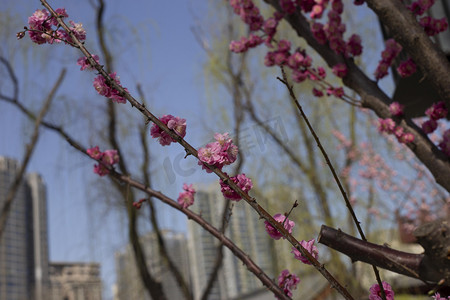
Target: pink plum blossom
[(386, 125), (375, 292), (387, 58), (433, 26), (437, 296), (437, 111), (186, 198), (84, 62), (340, 70), (177, 124), (429, 126), (43, 28), (444, 145), (354, 46), (107, 158), (287, 6), (407, 68), (280, 218), (219, 153), (242, 181), (104, 89), (396, 109), (94, 153), (288, 282), (406, 138), (310, 247), (110, 157)]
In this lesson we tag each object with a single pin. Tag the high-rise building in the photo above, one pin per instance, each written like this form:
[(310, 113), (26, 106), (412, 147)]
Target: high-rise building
[(75, 281), (129, 285), (245, 229), (25, 273), (24, 242)]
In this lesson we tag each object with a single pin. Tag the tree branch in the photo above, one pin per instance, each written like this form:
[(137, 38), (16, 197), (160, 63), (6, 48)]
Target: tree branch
[(421, 266), (405, 29), (374, 98), (29, 149)]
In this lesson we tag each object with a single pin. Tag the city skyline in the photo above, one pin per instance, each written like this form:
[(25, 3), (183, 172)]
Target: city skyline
[(244, 229), (25, 270), (24, 242)]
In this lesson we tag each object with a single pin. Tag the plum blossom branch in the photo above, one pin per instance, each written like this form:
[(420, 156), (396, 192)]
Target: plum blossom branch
[(373, 97), (191, 215), (192, 151), (396, 16)]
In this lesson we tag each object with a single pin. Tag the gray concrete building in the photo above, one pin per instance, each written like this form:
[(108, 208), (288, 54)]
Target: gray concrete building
[(75, 281), (244, 229), (24, 243), (129, 285)]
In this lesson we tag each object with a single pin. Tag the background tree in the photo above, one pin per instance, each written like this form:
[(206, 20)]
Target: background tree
[(253, 100)]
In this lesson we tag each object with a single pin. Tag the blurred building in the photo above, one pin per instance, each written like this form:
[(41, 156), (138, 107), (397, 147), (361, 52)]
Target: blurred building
[(25, 271), (245, 229), (75, 281), (129, 285), (24, 243)]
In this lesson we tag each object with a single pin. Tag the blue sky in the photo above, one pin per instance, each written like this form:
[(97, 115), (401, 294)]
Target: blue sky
[(157, 49), (154, 46)]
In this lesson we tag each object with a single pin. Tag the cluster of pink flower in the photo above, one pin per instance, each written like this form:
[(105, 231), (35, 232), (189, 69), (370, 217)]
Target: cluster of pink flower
[(310, 247), (176, 124), (85, 64), (420, 7), (375, 291), (299, 62), (333, 31), (388, 125), (407, 68), (242, 181), (437, 296), (41, 31), (387, 58), (248, 12), (288, 282), (245, 43), (107, 159), (435, 112), (219, 153), (430, 25), (186, 198), (433, 26), (104, 89), (340, 70), (282, 219), (42, 28)]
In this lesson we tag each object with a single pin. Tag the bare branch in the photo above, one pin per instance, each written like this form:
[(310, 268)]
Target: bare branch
[(404, 27), (29, 151), (421, 266)]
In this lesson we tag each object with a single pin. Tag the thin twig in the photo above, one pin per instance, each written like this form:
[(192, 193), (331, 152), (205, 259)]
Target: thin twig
[(333, 171)]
